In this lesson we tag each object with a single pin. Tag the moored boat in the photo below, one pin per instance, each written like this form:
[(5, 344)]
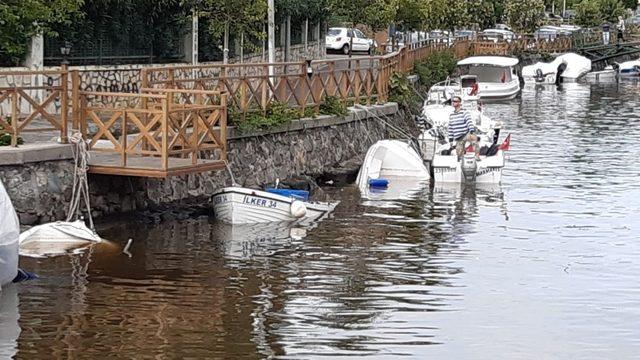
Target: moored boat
[(238, 205), (607, 75), (57, 238), (390, 158), (496, 76), (9, 233), (568, 67)]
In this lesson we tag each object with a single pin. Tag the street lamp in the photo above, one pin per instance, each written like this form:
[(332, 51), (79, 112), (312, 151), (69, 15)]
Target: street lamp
[(65, 50)]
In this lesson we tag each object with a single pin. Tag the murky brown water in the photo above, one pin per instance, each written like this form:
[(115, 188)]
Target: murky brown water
[(544, 266)]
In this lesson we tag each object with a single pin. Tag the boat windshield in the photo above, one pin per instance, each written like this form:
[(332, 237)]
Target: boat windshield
[(490, 73)]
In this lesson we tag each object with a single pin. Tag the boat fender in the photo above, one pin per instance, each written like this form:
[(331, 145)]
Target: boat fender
[(298, 209), (378, 183)]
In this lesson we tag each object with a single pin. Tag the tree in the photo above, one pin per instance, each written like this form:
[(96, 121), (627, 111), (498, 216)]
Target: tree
[(525, 15), (377, 14), (447, 15), (411, 14), (588, 13), (233, 16), (594, 12), (20, 20), (483, 13)]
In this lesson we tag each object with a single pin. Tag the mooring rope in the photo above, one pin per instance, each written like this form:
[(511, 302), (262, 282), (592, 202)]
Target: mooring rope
[(80, 190)]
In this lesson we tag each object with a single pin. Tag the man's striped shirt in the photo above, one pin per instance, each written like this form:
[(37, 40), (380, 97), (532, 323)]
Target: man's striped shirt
[(460, 124)]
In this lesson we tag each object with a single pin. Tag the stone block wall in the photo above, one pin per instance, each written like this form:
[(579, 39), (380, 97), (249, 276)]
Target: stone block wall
[(41, 191)]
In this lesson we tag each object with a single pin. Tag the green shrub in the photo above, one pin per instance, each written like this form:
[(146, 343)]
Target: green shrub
[(5, 137), (435, 68), (332, 105), (279, 113), (401, 92)]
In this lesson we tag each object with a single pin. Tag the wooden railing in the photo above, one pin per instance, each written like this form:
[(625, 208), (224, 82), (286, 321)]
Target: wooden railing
[(34, 107), (159, 132), (253, 87)]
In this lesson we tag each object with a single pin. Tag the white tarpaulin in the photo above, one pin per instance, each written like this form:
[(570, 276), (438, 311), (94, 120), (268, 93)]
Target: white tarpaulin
[(9, 233), (576, 67)]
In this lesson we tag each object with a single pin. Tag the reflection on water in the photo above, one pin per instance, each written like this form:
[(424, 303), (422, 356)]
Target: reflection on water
[(544, 266)]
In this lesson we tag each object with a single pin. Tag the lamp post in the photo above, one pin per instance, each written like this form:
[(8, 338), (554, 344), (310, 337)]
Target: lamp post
[(65, 50)]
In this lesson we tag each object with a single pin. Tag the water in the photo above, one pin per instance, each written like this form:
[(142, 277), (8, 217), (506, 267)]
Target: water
[(544, 266)]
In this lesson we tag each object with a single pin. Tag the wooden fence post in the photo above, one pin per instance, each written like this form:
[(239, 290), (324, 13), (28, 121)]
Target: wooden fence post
[(64, 104), (14, 117), (165, 130), (223, 126), (75, 100)]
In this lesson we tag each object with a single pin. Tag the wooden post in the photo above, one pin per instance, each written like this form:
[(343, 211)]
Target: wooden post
[(265, 89), (144, 84), (196, 136), (64, 104), (83, 116), (14, 117), (302, 93), (223, 126), (75, 100), (123, 143), (165, 130)]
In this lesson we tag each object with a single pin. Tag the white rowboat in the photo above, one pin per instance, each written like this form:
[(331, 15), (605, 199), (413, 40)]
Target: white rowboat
[(237, 205)]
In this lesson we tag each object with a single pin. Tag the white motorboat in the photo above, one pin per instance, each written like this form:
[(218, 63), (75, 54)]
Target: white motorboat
[(569, 67), (435, 148), (496, 75), (390, 158), (609, 74), (629, 68), (9, 233), (237, 205), (57, 238)]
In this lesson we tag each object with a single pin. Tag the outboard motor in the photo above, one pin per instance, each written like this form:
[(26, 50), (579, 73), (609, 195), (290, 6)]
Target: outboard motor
[(469, 166)]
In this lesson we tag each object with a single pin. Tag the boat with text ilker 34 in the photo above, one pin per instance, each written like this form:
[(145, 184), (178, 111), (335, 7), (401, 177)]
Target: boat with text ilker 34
[(237, 205)]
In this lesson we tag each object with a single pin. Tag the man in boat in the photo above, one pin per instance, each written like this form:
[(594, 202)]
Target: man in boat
[(461, 129)]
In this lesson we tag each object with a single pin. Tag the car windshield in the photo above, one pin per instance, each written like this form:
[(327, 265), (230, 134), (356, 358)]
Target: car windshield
[(334, 32)]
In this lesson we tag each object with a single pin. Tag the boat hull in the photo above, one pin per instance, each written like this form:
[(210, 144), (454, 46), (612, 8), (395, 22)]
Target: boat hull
[(8, 262), (499, 91), (447, 169), (9, 243), (235, 205), (390, 158)]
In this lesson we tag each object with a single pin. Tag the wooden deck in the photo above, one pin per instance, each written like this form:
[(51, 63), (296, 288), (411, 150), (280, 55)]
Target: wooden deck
[(148, 166)]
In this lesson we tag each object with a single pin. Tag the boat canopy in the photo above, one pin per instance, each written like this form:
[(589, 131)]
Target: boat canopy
[(501, 61)]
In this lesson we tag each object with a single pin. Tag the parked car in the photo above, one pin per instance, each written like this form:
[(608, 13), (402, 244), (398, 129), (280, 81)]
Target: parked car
[(340, 39), (465, 34), (496, 35), (503, 27)]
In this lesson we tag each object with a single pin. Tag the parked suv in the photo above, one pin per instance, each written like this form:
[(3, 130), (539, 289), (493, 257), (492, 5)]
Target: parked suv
[(340, 39)]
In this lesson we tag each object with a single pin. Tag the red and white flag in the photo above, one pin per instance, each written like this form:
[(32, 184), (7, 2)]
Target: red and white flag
[(505, 144)]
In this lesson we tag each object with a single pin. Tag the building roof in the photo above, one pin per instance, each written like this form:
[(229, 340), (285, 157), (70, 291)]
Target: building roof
[(489, 60)]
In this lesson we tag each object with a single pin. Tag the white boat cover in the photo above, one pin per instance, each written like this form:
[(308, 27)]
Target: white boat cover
[(56, 238), (577, 66), (9, 233), (629, 65), (501, 61)]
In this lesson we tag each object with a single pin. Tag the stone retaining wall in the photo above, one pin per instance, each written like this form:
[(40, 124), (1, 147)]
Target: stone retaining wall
[(40, 191)]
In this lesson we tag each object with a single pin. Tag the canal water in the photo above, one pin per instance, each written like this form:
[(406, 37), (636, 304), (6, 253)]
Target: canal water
[(544, 266)]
